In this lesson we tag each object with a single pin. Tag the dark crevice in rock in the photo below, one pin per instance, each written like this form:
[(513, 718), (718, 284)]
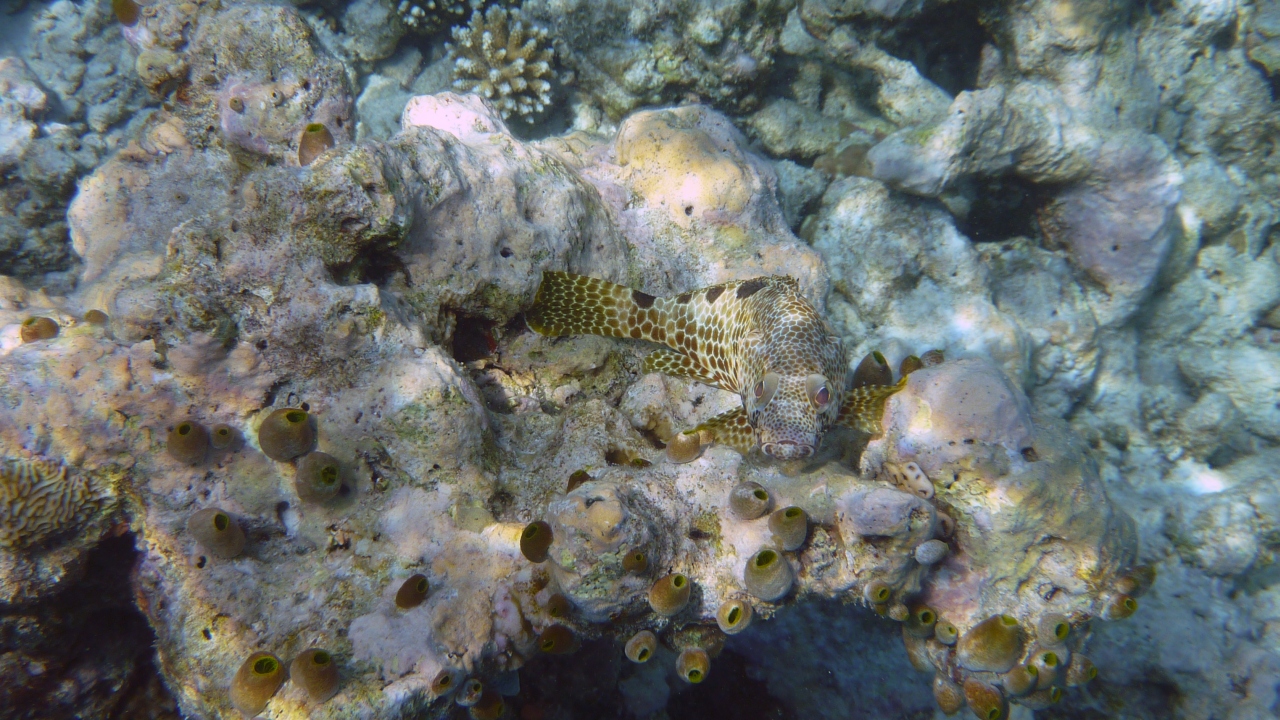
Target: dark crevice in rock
[(1002, 208), (92, 645), (945, 44), (472, 339)]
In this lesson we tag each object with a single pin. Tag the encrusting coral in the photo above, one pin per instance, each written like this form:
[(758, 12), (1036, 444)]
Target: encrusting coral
[(504, 59)]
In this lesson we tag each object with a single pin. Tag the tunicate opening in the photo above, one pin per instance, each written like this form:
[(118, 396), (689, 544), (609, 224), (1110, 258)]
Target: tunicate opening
[(220, 522), (678, 581), (1061, 630), (1049, 659), (184, 429), (421, 586), (531, 531), (734, 614), (793, 512), (320, 657), (643, 654), (761, 495), (315, 127), (766, 558), (926, 618), (222, 432), (695, 676), (264, 666), (295, 416), (1033, 671), (1008, 620), (329, 475)]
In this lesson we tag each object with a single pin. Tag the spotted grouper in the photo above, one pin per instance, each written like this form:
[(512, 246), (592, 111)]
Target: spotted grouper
[(759, 338)]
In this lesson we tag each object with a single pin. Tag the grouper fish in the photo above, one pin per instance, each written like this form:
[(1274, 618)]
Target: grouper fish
[(759, 338)]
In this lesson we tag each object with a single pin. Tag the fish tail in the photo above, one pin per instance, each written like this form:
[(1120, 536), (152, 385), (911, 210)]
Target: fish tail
[(863, 406), (568, 304)]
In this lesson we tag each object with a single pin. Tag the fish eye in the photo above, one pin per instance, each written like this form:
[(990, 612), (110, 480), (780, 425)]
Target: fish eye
[(817, 389), (765, 389)]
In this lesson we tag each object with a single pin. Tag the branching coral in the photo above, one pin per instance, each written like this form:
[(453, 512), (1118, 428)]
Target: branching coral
[(40, 499), (501, 58)]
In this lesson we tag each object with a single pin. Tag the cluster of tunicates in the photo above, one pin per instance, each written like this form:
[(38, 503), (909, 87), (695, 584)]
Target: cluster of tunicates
[(285, 435)]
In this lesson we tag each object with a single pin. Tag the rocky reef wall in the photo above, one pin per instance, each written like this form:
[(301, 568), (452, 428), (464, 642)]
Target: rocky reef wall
[(265, 375)]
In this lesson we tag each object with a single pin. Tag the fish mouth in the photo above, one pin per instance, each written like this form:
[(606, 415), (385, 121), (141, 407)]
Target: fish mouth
[(787, 450)]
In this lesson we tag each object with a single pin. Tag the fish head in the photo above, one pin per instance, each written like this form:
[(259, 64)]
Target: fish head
[(790, 413)]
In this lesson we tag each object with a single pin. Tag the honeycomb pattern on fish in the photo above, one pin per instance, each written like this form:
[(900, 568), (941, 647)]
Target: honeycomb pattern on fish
[(758, 338)]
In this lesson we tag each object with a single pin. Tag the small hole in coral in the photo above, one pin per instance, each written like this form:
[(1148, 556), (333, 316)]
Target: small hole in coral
[(207, 635), (200, 564), (473, 339), (505, 252), (688, 210), (1030, 455), (306, 406), (306, 85)]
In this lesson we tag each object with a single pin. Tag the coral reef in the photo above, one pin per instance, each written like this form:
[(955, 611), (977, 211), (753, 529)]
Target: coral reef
[(502, 58), (278, 214)]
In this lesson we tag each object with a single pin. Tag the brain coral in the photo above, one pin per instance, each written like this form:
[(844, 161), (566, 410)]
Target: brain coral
[(499, 57), (39, 499)]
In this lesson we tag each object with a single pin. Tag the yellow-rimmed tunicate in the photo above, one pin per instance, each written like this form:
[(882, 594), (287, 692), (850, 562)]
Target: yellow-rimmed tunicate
[(945, 632), (221, 436), (986, 701), (37, 328), (558, 606), (535, 541), (315, 139), (877, 592), (445, 682), (1081, 671), (768, 575), (684, 447), (315, 671), (641, 646), (412, 591), (255, 682), (909, 364), (1053, 629), (931, 552), (1137, 581), (693, 665), (317, 477), (490, 706), (993, 645), (920, 621), (127, 11), (286, 434), (932, 358), (949, 696), (557, 640), (873, 370), (790, 527), (1048, 665), (749, 500), (669, 594), (734, 616), (1020, 680), (470, 693), (96, 317), (917, 651), (1041, 699), (1118, 607), (217, 532), (635, 562), (188, 442)]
